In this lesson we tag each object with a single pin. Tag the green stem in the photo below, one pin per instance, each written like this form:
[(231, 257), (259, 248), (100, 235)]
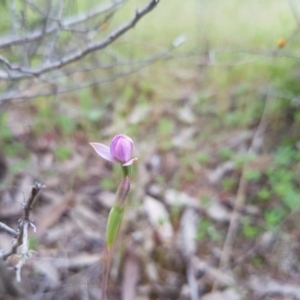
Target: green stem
[(113, 225), (112, 229), (126, 170)]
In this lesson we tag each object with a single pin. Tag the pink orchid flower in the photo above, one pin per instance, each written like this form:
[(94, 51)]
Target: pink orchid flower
[(120, 150)]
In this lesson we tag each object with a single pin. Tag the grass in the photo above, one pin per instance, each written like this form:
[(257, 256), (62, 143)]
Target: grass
[(223, 24), (236, 26)]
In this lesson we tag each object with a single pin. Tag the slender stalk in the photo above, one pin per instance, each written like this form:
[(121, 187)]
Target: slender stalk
[(106, 268), (112, 230), (108, 255)]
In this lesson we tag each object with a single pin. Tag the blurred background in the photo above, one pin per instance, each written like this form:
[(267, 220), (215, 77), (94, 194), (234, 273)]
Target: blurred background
[(208, 91)]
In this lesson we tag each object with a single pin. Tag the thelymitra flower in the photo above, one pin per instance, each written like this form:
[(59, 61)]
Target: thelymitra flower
[(120, 150)]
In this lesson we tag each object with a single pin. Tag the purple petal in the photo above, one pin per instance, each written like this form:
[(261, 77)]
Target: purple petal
[(103, 151), (121, 147), (113, 144)]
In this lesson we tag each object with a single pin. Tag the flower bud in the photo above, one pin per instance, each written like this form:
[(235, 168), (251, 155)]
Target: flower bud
[(120, 151), (121, 148)]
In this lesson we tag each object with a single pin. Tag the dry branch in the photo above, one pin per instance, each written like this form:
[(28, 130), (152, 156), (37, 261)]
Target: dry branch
[(16, 72), (66, 24), (22, 233), (8, 229)]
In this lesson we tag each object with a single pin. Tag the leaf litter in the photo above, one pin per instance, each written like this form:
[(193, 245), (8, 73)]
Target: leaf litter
[(174, 227)]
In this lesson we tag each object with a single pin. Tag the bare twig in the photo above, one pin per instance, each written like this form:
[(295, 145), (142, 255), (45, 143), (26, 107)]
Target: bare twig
[(28, 73), (8, 229), (53, 59), (55, 89), (29, 204), (72, 21), (79, 54), (52, 43), (25, 47), (16, 244), (22, 234)]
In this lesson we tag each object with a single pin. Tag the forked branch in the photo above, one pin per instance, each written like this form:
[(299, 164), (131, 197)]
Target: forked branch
[(16, 72)]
